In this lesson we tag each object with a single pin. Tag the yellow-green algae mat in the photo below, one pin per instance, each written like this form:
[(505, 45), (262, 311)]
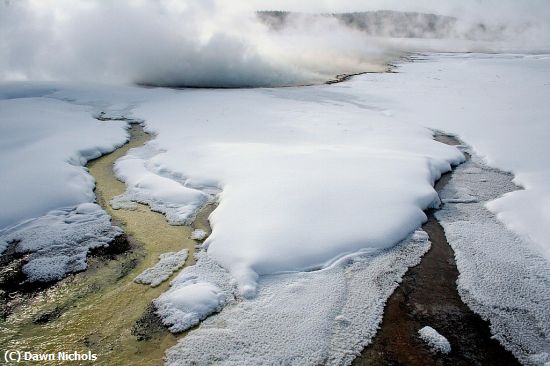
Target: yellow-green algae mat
[(100, 306)]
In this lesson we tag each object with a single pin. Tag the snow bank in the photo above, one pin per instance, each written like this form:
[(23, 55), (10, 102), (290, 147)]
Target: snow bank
[(328, 316), (168, 263), (498, 104), (46, 193), (308, 175), (502, 277), (435, 340), (300, 143), (59, 241), (44, 144)]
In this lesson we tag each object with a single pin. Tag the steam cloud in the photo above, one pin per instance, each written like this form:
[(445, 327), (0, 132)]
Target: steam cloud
[(212, 43)]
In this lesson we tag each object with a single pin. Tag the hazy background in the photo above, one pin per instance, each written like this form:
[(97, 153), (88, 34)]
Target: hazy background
[(224, 43)]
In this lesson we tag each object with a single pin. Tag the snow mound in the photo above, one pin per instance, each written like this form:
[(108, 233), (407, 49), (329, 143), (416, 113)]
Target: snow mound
[(59, 241), (160, 272), (436, 341), (176, 201), (328, 316), (198, 304), (502, 277), (198, 234), (187, 305), (314, 174)]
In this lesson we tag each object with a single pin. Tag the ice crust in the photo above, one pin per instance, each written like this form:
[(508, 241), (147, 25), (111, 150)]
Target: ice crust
[(59, 241), (502, 277), (327, 316), (168, 263), (436, 341)]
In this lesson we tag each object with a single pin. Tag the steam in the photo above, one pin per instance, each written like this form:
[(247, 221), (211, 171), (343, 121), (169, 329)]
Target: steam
[(203, 43)]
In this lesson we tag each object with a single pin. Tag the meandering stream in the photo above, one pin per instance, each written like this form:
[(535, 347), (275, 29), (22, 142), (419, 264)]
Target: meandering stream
[(102, 310)]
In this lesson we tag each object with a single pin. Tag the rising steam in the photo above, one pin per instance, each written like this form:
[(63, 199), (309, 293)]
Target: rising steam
[(212, 43)]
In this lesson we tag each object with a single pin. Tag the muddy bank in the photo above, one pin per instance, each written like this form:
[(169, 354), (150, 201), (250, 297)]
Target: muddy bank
[(428, 295), (101, 309)]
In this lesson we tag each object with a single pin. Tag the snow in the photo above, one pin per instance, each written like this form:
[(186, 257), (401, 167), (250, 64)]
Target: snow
[(498, 104), (198, 234), (162, 194), (328, 316), (315, 187), (459, 94), (436, 341), (313, 174), (168, 263), (502, 277), (45, 191), (188, 305), (210, 274), (44, 144), (59, 241)]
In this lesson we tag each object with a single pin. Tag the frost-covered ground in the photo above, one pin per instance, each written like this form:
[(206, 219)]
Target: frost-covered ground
[(316, 186), (501, 277)]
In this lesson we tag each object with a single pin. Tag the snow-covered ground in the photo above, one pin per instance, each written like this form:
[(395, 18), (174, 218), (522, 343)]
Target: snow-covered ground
[(44, 143), (45, 191), (501, 278), (307, 175), (498, 104), (316, 186)]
